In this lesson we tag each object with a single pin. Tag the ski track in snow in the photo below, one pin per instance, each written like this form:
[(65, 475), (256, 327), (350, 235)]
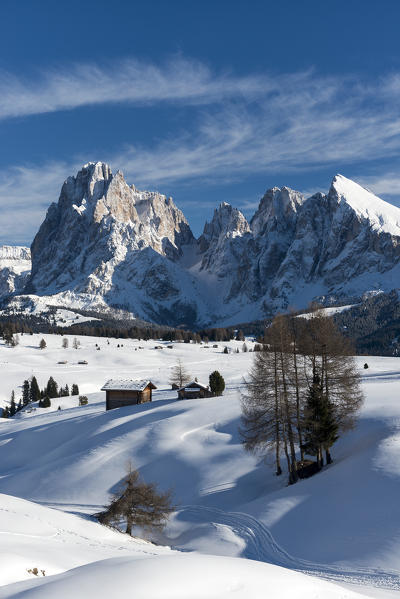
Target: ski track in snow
[(261, 546)]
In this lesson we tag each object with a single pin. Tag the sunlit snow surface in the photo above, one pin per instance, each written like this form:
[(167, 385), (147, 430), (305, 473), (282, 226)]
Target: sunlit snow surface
[(342, 525)]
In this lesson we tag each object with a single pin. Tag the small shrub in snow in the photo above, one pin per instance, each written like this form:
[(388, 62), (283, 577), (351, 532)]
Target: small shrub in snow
[(83, 400), (45, 402), (138, 504), (42, 344), (35, 571), (366, 365)]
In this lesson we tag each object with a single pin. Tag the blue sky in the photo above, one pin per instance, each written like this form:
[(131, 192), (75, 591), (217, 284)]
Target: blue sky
[(206, 101)]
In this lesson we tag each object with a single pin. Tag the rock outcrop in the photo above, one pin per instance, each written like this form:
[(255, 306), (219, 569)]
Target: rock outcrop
[(103, 237)]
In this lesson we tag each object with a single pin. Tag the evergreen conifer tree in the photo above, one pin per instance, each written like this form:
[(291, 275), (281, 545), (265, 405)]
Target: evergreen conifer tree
[(13, 405), (25, 392), (320, 427), (330, 431), (74, 389), (34, 392), (51, 388), (217, 383), (313, 416)]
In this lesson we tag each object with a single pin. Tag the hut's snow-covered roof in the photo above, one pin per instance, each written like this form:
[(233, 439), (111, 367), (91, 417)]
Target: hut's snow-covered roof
[(193, 385), (127, 385)]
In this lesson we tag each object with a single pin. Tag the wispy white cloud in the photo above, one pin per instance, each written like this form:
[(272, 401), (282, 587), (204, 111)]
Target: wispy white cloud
[(25, 195), (129, 81), (385, 184), (267, 138), (241, 126)]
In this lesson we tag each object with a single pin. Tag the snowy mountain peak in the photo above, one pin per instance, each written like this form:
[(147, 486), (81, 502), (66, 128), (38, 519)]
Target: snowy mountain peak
[(226, 222), (382, 216), (14, 252), (95, 193), (15, 265), (277, 204), (96, 227)]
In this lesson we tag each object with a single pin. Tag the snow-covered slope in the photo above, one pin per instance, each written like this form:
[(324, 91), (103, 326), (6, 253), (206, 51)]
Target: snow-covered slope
[(107, 244), (15, 266), (178, 576), (342, 524), (35, 536)]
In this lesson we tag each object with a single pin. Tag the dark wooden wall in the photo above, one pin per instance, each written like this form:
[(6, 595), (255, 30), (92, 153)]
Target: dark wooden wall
[(118, 399)]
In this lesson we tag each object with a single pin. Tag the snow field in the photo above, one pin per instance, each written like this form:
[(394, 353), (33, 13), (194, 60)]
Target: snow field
[(128, 361), (342, 525)]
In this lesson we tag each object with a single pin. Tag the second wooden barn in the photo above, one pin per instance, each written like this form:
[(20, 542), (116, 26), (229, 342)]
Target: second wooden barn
[(194, 390), (127, 392)]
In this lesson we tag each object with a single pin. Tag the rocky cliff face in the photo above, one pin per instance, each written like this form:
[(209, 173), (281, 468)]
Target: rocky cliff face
[(94, 240), (15, 266), (105, 241)]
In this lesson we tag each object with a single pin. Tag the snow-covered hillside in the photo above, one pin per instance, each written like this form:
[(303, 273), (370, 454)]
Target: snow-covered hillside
[(105, 243), (178, 576), (35, 536), (342, 525)]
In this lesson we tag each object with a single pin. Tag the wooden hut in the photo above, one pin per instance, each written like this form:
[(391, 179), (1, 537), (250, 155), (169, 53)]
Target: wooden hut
[(194, 390), (127, 392)]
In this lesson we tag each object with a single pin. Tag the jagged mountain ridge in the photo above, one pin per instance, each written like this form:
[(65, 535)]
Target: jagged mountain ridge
[(15, 266), (105, 242)]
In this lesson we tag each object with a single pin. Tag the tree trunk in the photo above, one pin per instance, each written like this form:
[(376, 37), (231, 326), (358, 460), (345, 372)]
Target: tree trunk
[(328, 456), (277, 420), (293, 469), (320, 458), (296, 379), (285, 449), (129, 526)]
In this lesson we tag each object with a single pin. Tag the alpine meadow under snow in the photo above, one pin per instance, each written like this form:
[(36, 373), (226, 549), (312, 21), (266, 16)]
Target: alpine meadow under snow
[(238, 530)]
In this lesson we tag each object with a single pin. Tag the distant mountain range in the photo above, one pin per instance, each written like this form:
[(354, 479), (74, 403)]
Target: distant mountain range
[(105, 243)]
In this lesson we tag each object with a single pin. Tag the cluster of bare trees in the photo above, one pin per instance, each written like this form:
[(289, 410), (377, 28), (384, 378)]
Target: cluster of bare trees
[(302, 391)]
